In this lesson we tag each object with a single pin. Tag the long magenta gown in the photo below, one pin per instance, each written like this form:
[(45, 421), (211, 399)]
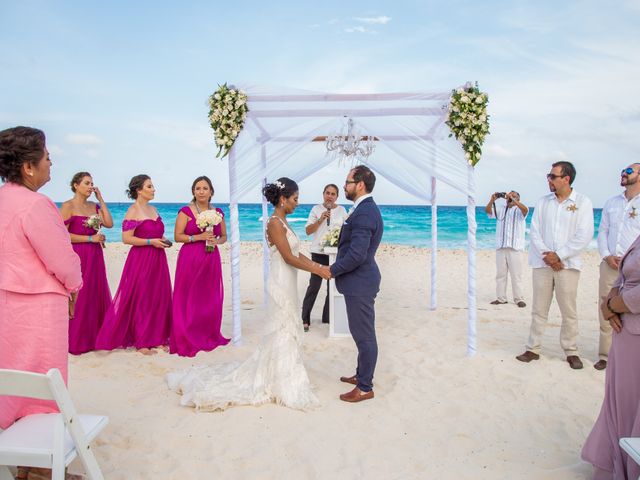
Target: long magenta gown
[(140, 315), (94, 298), (198, 295)]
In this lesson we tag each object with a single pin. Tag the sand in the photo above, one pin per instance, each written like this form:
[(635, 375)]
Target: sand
[(437, 414)]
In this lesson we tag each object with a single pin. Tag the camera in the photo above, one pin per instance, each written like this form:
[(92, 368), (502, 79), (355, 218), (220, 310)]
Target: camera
[(501, 194)]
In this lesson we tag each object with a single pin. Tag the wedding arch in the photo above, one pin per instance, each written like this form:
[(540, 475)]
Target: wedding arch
[(414, 151)]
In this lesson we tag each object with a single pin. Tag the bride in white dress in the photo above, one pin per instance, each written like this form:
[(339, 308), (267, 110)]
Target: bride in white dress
[(275, 371)]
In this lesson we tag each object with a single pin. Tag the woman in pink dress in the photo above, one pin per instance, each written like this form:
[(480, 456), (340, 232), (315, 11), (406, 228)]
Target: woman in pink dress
[(620, 413), (198, 292), (94, 298), (140, 315), (38, 269)]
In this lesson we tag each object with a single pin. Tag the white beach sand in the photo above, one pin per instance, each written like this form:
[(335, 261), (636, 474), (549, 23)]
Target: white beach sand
[(437, 414)]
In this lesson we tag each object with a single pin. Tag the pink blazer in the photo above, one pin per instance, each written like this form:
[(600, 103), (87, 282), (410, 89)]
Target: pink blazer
[(35, 248)]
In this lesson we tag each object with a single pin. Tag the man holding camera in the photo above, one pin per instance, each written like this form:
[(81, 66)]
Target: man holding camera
[(510, 228)]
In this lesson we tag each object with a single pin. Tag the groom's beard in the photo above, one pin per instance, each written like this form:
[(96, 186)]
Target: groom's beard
[(349, 195)]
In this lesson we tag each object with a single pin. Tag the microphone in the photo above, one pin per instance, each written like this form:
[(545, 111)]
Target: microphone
[(328, 207)]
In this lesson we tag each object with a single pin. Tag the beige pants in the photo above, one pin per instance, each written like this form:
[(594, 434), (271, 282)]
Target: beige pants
[(607, 277), (565, 285), (509, 261)]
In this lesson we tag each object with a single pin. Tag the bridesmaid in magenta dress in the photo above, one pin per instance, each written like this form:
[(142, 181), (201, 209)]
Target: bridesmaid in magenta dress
[(198, 291), (140, 315), (95, 297)]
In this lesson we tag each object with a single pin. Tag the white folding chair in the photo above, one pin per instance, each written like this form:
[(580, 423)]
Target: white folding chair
[(41, 440), (632, 447)]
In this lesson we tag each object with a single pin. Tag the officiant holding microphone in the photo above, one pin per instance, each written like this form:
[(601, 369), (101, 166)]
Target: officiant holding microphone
[(322, 219)]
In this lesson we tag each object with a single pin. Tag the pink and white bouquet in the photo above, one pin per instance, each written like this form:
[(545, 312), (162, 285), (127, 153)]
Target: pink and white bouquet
[(206, 221)]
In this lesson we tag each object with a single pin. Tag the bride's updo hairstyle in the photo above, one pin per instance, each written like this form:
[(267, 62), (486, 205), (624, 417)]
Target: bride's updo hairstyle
[(283, 187)]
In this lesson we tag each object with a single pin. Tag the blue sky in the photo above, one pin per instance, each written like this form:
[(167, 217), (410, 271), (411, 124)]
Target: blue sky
[(120, 87)]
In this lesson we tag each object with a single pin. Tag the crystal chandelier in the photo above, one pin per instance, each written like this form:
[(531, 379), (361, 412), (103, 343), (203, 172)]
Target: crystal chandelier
[(350, 146)]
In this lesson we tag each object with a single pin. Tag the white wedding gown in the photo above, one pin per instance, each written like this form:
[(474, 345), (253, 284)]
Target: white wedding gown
[(275, 371)]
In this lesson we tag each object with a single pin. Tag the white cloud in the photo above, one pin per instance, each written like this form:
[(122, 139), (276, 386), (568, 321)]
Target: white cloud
[(84, 139), (358, 29), (379, 20)]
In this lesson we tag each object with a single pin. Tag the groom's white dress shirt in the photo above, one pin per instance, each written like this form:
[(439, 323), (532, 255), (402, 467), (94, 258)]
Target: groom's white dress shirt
[(564, 228)]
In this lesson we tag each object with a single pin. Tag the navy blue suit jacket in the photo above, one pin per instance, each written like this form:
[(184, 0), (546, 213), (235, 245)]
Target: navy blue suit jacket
[(355, 270)]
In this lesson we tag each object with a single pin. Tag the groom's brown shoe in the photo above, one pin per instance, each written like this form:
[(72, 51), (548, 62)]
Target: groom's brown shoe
[(352, 380), (356, 395)]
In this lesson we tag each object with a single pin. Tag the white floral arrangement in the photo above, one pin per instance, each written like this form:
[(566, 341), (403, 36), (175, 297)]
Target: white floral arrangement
[(330, 239), (468, 120), (227, 113), (206, 221), (94, 221)]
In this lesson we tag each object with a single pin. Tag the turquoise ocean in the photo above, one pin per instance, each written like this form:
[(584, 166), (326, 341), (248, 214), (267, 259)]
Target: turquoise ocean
[(404, 224)]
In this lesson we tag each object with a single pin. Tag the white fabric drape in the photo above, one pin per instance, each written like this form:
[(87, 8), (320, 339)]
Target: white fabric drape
[(413, 151)]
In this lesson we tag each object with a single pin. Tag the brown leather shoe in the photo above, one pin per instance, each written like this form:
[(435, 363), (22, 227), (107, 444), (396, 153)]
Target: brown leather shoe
[(527, 356), (356, 395), (600, 365), (521, 304), (352, 380), (497, 302), (574, 362)]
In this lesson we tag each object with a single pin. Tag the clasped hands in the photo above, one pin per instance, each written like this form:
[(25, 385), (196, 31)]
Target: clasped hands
[(552, 260), (613, 317), (324, 272)]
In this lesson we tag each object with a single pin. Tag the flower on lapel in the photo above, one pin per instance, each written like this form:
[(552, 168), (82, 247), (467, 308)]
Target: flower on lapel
[(572, 208), (633, 213)]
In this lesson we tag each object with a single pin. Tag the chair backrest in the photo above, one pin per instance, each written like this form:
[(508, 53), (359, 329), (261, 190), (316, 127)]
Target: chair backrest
[(50, 386), (25, 384)]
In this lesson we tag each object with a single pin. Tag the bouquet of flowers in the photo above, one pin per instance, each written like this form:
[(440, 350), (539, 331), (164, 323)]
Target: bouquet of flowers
[(468, 120), (227, 112), (206, 221), (95, 222), (330, 238)]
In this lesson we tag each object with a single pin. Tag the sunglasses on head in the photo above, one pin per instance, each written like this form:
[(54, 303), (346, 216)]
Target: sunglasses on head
[(627, 171)]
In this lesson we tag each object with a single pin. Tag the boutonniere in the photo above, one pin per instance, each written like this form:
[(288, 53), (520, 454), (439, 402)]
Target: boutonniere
[(572, 208), (633, 213)]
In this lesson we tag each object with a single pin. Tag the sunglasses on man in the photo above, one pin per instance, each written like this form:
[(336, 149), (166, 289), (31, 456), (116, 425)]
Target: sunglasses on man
[(627, 171), (553, 176)]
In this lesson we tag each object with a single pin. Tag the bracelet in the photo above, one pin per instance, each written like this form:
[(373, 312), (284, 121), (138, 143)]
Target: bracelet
[(190, 238), (148, 241), (90, 239)]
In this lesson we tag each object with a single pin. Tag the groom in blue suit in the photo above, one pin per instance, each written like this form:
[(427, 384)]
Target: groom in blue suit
[(357, 277)]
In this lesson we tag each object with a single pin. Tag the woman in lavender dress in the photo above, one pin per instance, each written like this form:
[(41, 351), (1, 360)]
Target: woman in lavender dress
[(620, 413), (198, 291), (94, 298), (140, 315)]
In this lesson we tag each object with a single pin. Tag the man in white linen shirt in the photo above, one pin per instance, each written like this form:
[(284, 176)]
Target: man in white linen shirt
[(619, 227), (510, 228), (561, 227)]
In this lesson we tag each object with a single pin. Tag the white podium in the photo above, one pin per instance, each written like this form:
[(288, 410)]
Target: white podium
[(338, 323)]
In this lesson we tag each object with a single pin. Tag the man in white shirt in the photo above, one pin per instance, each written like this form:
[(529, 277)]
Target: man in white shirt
[(561, 227), (510, 228), (619, 227)]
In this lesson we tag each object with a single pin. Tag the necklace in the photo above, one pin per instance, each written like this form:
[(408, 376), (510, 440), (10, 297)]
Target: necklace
[(198, 208)]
